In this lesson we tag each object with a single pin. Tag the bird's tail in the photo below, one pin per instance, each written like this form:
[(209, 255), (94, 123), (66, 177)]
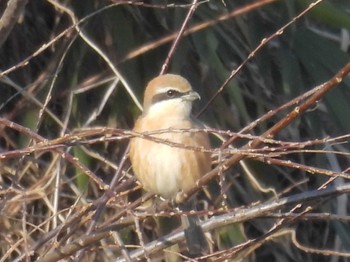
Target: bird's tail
[(196, 240)]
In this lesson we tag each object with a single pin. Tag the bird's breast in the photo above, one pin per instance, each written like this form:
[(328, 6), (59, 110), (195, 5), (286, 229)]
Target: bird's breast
[(165, 169)]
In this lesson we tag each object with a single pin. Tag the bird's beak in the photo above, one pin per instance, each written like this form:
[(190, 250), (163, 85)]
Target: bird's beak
[(191, 96)]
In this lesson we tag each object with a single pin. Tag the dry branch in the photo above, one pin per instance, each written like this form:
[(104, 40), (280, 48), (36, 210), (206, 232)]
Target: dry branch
[(241, 215), (9, 18)]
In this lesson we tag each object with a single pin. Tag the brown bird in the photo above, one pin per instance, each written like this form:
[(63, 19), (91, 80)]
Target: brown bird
[(165, 169)]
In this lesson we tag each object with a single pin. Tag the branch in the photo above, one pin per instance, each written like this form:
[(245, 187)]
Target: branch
[(270, 133), (240, 215), (9, 18)]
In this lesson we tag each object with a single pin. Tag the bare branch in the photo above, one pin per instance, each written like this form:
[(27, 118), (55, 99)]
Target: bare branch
[(9, 18)]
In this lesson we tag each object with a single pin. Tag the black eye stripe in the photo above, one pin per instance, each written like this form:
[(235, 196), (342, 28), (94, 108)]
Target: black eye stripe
[(169, 94)]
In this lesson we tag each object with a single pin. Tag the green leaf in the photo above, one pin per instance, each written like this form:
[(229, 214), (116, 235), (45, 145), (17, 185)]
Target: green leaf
[(328, 13), (82, 180)]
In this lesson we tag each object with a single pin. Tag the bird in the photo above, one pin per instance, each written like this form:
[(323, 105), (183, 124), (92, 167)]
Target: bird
[(165, 169), (162, 168)]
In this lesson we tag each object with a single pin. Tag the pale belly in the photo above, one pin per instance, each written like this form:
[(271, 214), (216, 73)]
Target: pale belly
[(165, 170)]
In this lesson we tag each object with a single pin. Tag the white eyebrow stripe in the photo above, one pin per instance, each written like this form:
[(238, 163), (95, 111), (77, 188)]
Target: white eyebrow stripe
[(164, 89)]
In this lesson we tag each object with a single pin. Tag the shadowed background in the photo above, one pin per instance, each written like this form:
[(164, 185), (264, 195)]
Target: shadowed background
[(79, 90)]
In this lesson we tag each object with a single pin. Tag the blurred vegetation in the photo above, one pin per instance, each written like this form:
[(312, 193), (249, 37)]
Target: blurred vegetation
[(78, 90)]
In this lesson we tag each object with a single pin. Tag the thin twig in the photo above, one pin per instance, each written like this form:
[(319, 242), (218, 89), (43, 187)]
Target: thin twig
[(270, 133), (252, 54), (241, 215), (177, 39), (196, 28), (9, 18)]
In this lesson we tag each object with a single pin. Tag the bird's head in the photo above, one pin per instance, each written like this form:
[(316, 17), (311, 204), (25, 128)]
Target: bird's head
[(170, 94)]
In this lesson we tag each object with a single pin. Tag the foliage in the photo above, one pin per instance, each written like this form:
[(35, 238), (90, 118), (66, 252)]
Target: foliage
[(73, 73)]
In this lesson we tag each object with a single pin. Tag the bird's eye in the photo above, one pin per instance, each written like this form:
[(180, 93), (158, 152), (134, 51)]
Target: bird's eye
[(171, 93)]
